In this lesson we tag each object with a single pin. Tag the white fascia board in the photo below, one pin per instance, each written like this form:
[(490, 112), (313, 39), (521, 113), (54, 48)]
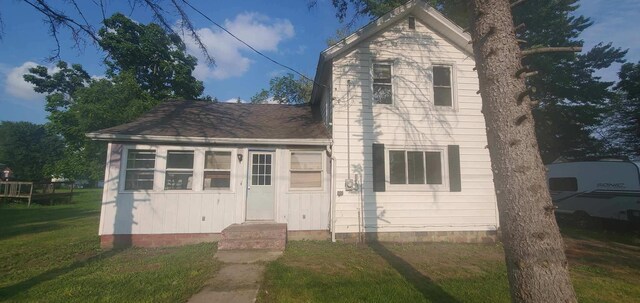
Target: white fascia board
[(201, 140), (422, 10)]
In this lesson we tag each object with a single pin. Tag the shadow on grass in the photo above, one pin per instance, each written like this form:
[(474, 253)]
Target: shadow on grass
[(15, 289), (429, 289), (24, 221)]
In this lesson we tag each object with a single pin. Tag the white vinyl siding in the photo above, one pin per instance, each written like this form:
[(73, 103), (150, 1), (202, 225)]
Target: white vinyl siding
[(413, 123), (201, 210)]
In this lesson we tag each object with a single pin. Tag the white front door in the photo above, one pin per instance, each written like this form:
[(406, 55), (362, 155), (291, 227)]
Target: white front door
[(260, 189)]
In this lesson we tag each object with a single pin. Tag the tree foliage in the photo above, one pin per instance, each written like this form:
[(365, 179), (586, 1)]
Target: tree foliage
[(157, 59), (572, 100), (144, 66), (29, 150), (625, 125), (72, 16), (285, 89)]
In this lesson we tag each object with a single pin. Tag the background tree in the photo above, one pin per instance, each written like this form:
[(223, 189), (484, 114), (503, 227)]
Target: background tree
[(572, 100), (57, 18), (157, 59), (285, 89), (625, 123), (29, 150), (145, 66)]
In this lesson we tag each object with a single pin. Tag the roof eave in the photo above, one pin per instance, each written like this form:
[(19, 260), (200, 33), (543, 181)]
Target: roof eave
[(205, 140)]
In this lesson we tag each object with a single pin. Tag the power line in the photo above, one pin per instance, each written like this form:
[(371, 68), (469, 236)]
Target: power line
[(249, 46)]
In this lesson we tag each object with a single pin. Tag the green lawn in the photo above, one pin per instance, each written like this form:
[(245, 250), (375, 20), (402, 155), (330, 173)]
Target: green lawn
[(52, 254), (604, 268)]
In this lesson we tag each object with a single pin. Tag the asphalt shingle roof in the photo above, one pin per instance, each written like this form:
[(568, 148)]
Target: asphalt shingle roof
[(225, 120)]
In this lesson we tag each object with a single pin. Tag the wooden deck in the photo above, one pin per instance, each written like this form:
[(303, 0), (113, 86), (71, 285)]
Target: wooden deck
[(36, 191)]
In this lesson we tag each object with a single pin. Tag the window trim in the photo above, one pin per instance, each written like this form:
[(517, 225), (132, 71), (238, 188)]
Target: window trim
[(444, 168), (454, 94), (179, 170), (161, 164), (125, 169), (322, 171), (390, 63), (205, 170)]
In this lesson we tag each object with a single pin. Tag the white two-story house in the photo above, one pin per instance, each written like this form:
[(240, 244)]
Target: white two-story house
[(392, 147)]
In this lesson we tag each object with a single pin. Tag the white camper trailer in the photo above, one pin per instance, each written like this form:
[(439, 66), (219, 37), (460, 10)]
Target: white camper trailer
[(605, 189)]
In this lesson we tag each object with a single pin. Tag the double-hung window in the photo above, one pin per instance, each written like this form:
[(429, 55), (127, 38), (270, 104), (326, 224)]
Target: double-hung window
[(306, 170), (140, 169), (217, 170), (410, 167), (442, 88), (382, 86), (179, 172)]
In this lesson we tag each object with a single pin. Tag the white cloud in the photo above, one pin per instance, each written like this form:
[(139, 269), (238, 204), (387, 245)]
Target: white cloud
[(259, 31), (15, 85), (234, 100)]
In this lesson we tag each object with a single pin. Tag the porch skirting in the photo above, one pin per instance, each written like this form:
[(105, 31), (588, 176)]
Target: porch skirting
[(423, 236), (156, 240)]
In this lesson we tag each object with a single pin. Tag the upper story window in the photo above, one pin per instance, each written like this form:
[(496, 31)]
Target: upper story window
[(217, 170), (179, 174), (140, 168), (382, 87), (306, 170), (442, 88)]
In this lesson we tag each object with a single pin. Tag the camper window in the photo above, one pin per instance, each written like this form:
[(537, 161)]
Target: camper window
[(563, 184)]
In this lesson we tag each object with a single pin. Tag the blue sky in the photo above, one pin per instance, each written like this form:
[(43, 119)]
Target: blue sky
[(285, 30)]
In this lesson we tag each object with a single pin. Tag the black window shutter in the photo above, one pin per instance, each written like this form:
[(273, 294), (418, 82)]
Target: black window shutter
[(454, 168), (378, 167)]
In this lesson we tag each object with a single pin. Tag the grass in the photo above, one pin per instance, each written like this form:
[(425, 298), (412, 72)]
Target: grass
[(52, 254), (604, 268)]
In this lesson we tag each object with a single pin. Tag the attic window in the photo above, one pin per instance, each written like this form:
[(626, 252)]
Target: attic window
[(412, 23)]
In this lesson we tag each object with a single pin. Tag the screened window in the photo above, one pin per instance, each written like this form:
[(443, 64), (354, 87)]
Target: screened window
[(217, 170), (563, 184), (382, 91), (179, 173), (139, 171), (415, 167), (442, 92), (306, 170)]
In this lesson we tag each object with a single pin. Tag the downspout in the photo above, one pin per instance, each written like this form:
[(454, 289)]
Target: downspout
[(332, 193)]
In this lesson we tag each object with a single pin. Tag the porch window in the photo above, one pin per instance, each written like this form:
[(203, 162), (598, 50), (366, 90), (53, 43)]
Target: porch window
[(382, 87), (217, 170), (408, 167), (139, 171), (442, 92), (179, 173), (306, 170)]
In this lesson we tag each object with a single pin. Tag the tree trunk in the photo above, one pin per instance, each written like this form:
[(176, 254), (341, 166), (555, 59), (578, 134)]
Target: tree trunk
[(534, 251)]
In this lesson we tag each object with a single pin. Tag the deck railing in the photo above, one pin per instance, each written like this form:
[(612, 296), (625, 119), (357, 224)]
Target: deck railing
[(36, 190)]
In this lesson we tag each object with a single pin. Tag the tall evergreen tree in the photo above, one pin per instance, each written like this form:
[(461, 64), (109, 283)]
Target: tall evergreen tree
[(625, 123)]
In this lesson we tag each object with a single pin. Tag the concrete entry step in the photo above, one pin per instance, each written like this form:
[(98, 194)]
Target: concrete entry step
[(271, 236)]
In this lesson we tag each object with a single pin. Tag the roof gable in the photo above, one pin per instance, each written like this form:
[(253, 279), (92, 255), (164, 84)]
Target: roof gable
[(418, 9)]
